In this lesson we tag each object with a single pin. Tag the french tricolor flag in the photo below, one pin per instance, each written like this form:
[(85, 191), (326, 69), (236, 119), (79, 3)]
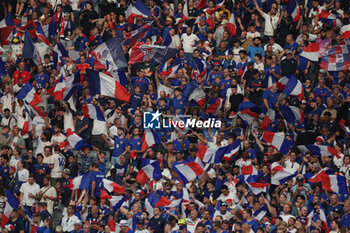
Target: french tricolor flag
[(80, 182), (7, 21), (212, 11), (330, 181), (294, 87), (280, 143), (153, 201), (231, 26), (322, 217), (111, 187), (248, 116), (189, 171), (260, 213), (27, 125), (268, 119), (320, 150), (215, 155), (102, 84), (59, 88), (200, 69), (311, 52), (258, 187), (180, 18), (282, 82), (170, 72), (214, 105), (11, 204), (74, 140), (117, 201), (326, 15), (198, 95), (29, 95), (282, 175), (149, 138), (150, 170), (293, 10), (137, 10), (93, 112), (292, 114)]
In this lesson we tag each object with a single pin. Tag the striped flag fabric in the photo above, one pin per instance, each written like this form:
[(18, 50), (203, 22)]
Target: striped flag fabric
[(215, 155), (268, 119), (117, 201), (11, 204), (150, 170), (27, 125), (212, 11), (131, 38), (294, 87), (248, 116), (111, 187), (139, 9), (59, 88), (74, 140), (337, 58), (214, 105), (158, 54), (330, 182), (320, 150), (293, 10), (93, 111), (29, 95), (80, 182), (231, 26), (102, 84), (149, 138), (292, 114), (311, 52), (171, 72), (280, 143), (282, 175), (188, 171), (198, 95)]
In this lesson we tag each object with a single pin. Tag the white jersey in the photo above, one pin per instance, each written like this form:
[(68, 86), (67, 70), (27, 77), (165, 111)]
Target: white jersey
[(58, 161)]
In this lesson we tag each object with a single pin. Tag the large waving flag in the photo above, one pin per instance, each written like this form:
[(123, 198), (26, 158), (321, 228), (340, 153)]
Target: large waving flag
[(156, 53), (293, 10), (111, 53), (337, 58), (311, 52), (280, 143), (248, 116), (326, 15), (102, 84), (149, 138), (93, 112), (111, 187), (294, 87), (7, 21), (330, 181), (74, 140), (59, 88), (80, 182), (139, 9), (282, 175), (29, 95), (292, 114), (218, 6), (214, 105), (200, 69), (150, 170), (131, 38), (282, 82), (59, 52), (268, 119), (29, 49), (27, 125), (117, 201), (11, 204), (153, 201), (189, 171), (231, 26), (215, 155), (198, 95), (320, 150)]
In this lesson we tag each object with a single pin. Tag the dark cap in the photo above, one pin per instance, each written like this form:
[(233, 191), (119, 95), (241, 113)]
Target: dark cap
[(223, 204), (182, 227), (141, 222)]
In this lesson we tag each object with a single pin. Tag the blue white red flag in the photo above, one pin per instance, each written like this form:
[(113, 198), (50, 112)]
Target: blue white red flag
[(11, 204), (189, 171), (294, 87), (215, 155), (320, 150), (337, 58), (149, 138), (292, 114), (150, 170), (156, 53), (29, 95), (280, 143), (293, 10), (311, 52), (131, 38), (139, 9), (93, 112)]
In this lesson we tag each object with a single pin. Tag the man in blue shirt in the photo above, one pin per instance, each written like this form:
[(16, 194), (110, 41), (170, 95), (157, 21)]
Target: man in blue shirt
[(140, 80), (345, 220), (179, 102), (322, 90), (255, 48), (247, 218), (135, 143), (96, 180), (120, 144), (41, 78)]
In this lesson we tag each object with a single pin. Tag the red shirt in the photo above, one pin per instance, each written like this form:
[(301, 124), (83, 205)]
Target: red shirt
[(25, 75)]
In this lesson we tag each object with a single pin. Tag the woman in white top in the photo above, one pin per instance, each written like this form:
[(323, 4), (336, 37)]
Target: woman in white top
[(22, 175)]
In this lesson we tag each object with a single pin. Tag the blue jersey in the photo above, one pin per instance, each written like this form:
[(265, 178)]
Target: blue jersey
[(141, 82), (179, 104), (135, 143), (97, 176), (42, 80), (120, 145)]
